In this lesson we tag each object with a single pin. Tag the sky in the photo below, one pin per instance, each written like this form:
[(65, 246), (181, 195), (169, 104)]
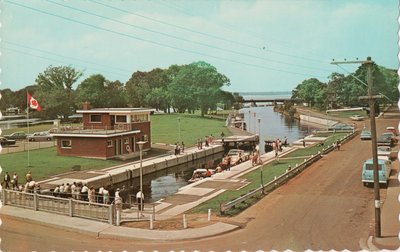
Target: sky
[(260, 45)]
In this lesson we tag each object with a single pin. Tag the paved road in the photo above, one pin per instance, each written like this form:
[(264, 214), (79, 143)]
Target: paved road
[(325, 207)]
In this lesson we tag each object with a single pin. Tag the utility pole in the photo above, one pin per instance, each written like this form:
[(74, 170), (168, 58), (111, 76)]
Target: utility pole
[(371, 100)]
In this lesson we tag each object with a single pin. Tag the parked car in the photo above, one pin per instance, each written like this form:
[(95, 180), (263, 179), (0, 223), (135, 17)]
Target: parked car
[(365, 135), (392, 135), (385, 140), (341, 127), (19, 135), (393, 130), (386, 151), (238, 156), (40, 136), (384, 168), (356, 118), (5, 141)]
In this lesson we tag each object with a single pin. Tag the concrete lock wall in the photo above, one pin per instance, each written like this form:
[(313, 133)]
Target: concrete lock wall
[(147, 168), (317, 120)]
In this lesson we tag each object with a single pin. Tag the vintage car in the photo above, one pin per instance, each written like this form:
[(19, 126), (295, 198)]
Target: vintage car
[(356, 118), (19, 135), (40, 136), (5, 141), (238, 156), (386, 139), (386, 151), (365, 135), (384, 168), (393, 130), (200, 174), (341, 127)]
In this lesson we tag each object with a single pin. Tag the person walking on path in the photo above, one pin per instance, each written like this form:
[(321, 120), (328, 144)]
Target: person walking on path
[(7, 180), (183, 147), (338, 145)]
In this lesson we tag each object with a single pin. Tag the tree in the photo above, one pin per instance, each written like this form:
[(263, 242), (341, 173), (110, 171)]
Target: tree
[(55, 91), (197, 82), (93, 90), (62, 77), (310, 91), (116, 95), (137, 88)]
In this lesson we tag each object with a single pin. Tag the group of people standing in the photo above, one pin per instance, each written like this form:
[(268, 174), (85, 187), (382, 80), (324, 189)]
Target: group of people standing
[(277, 145), (80, 191), (179, 148), (207, 141), (12, 182)]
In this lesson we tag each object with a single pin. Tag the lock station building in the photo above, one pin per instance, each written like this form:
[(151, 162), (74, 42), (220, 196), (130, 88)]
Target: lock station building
[(106, 133)]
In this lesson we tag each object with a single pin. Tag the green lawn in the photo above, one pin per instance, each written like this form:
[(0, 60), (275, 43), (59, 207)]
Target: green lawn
[(46, 162), (165, 128)]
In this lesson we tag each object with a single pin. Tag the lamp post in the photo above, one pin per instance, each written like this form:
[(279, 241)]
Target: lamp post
[(259, 129), (248, 129), (141, 194), (179, 128)]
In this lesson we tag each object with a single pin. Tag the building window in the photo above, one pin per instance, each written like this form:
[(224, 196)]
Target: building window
[(126, 141), (140, 118), (95, 118), (109, 143), (66, 144), (120, 118), (145, 138)]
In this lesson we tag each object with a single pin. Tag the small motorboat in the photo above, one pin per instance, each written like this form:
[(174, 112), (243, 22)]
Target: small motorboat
[(200, 174)]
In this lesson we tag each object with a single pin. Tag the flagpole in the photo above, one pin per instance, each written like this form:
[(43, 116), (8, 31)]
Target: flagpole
[(27, 124)]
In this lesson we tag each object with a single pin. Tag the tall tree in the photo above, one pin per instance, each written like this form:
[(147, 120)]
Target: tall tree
[(55, 91), (201, 80), (93, 90), (309, 91)]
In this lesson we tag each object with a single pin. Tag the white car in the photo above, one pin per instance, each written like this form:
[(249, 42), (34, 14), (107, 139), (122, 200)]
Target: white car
[(237, 156), (386, 151), (357, 118), (40, 136)]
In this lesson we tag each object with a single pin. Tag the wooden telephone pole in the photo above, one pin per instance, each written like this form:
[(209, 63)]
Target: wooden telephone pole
[(371, 100)]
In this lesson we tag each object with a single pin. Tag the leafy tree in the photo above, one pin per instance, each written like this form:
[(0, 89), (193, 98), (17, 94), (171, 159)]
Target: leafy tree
[(93, 90), (55, 93), (58, 77), (310, 91), (202, 83), (137, 88), (116, 95)]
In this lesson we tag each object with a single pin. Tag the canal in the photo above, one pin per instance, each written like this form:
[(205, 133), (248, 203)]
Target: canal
[(272, 125)]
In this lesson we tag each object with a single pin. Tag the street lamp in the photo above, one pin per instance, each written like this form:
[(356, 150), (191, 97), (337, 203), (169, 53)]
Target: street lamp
[(248, 130), (259, 130), (141, 195), (179, 128)]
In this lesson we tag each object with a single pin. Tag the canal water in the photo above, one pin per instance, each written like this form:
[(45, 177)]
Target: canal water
[(262, 119)]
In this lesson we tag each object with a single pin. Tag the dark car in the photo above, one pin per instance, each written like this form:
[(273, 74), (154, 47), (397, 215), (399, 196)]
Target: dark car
[(19, 135), (5, 141), (385, 140)]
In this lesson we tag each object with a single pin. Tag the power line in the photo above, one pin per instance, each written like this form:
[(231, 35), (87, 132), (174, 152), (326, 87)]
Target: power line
[(154, 42), (52, 59), (187, 40), (233, 28), (64, 56)]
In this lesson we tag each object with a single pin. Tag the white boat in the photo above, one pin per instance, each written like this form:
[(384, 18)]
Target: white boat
[(200, 174)]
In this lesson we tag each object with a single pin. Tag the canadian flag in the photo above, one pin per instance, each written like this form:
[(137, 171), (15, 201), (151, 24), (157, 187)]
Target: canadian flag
[(33, 103)]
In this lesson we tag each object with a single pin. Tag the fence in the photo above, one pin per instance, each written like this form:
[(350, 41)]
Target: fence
[(269, 187), (25, 145), (63, 206), (68, 206)]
